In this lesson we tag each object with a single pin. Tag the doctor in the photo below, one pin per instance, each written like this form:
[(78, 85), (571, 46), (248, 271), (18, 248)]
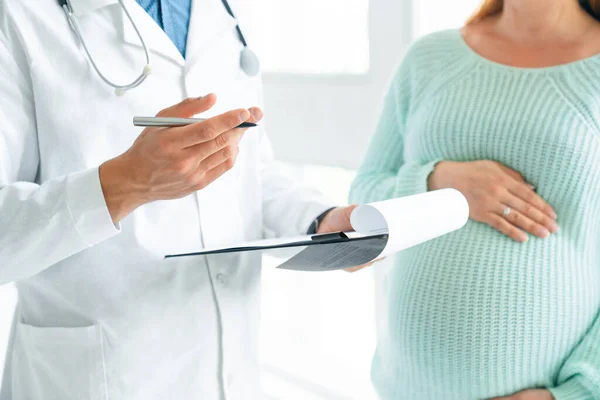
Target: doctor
[(89, 206)]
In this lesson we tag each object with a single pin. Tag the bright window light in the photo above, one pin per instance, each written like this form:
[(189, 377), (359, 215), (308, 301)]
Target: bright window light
[(310, 36), (437, 15)]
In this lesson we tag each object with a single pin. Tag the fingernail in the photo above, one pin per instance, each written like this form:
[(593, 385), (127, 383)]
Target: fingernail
[(554, 228), (553, 214), (244, 115), (524, 239), (531, 187), (256, 114), (543, 233)]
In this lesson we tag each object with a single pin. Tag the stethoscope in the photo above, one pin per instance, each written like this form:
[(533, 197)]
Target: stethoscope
[(249, 62)]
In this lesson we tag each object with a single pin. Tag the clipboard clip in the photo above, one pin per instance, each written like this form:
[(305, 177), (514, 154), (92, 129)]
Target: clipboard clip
[(329, 236)]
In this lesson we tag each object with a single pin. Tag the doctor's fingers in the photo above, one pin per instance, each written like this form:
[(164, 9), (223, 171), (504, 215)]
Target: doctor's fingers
[(207, 130), (189, 107), (256, 114), (227, 155), (203, 151), (222, 162), (229, 138)]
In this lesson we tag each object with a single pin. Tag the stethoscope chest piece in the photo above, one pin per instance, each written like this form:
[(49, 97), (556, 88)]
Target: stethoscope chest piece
[(249, 62)]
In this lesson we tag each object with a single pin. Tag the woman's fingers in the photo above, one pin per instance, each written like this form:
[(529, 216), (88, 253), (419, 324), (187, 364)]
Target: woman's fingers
[(521, 218), (541, 221), (529, 196), (524, 222), (512, 173), (492, 188), (533, 394), (501, 224), (528, 211)]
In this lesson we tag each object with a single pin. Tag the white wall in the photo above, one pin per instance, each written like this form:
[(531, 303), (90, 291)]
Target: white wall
[(330, 120)]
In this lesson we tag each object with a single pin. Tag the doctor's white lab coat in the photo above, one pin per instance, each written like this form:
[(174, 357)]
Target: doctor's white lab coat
[(101, 315)]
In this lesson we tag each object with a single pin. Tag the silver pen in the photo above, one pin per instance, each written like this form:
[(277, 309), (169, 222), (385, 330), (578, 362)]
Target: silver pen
[(165, 122)]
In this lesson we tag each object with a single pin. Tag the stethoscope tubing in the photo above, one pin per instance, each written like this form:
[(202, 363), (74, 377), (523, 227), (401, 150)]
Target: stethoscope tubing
[(248, 60), (119, 89)]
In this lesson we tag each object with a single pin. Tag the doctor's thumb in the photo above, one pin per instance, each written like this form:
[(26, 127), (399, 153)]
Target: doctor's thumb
[(189, 107)]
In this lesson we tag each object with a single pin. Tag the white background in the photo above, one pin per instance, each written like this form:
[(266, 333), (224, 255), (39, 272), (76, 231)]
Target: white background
[(327, 64)]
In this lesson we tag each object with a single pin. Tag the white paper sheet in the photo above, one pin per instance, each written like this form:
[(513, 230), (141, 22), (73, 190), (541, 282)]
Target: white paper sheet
[(412, 220)]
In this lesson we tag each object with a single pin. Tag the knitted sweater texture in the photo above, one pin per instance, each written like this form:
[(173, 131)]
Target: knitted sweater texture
[(474, 315)]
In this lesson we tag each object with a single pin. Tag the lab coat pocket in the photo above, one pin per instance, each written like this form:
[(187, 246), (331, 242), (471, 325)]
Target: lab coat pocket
[(58, 363)]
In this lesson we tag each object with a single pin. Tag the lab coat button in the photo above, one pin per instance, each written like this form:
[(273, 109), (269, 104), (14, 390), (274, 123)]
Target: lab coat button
[(222, 279)]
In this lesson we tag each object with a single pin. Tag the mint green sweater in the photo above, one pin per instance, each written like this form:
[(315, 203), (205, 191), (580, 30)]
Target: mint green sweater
[(475, 315)]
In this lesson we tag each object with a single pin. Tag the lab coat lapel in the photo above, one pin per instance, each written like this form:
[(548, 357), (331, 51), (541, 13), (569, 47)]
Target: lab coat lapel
[(208, 21), (155, 38), (82, 7)]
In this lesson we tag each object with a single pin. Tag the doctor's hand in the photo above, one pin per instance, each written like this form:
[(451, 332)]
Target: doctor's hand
[(338, 220), (170, 163)]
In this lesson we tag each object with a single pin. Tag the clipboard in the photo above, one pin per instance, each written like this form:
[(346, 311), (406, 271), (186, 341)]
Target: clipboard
[(380, 230), (314, 240)]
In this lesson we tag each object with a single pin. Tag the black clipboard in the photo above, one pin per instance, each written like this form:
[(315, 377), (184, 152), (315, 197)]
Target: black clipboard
[(315, 240)]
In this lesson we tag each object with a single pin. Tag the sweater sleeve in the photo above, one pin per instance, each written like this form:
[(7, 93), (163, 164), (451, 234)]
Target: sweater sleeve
[(385, 172), (579, 377)]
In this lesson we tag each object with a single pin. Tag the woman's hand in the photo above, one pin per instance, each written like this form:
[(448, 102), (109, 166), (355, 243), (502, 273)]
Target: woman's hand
[(491, 190), (535, 394)]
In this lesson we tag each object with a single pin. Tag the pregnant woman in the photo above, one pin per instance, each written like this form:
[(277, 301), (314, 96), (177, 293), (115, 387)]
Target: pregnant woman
[(506, 110)]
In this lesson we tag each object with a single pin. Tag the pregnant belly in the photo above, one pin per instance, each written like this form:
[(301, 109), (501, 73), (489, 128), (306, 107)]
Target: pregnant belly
[(474, 315)]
